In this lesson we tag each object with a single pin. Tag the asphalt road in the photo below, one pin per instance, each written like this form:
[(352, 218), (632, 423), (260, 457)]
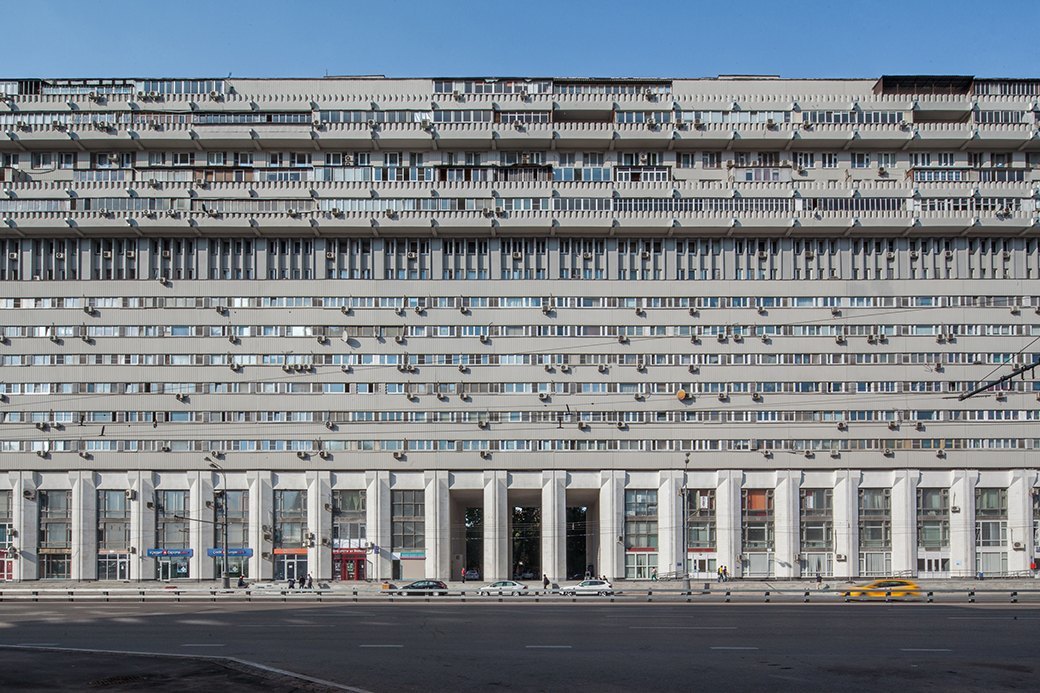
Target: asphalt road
[(556, 647)]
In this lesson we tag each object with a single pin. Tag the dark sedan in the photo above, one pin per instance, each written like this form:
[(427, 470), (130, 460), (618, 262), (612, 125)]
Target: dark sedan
[(422, 588)]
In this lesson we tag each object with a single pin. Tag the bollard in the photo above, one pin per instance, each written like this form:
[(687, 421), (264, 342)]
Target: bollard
[(931, 597), (649, 595), (1014, 597), (848, 597), (355, 594), (888, 595), (971, 597), (727, 596), (806, 599), (767, 596)]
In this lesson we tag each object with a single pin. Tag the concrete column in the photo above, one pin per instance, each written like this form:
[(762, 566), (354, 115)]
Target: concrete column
[(496, 526), (142, 527), (846, 523), (261, 525), (904, 520), (438, 525), (785, 524), (1020, 520), (200, 534), (27, 521), (377, 498), (611, 525), (84, 526), (962, 523), (554, 524), (319, 522), (669, 522), (727, 519)]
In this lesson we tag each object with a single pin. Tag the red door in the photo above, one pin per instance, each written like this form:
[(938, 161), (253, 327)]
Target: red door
[(348, 567)]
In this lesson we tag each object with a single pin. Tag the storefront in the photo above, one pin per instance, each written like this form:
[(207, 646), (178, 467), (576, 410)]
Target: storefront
[(237, 558), (113, 565), (171, 564), (349, 564), (290, 564)]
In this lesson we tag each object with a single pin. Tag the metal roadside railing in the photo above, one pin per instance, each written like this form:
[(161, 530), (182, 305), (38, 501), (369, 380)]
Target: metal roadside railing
[(705, 595)]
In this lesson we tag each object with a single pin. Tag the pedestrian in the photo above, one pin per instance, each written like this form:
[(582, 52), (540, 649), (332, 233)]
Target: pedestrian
[(545, 581), (819, 579), (310, 581), (463, 575), (718, 574), (588, 575), (241, 581), (725, 574), (653, 575), (292, 583)]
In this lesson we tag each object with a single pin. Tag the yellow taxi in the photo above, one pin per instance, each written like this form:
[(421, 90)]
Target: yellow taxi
[(880, 589)]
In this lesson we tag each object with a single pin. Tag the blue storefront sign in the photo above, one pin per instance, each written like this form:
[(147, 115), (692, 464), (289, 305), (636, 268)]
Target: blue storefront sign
[(171, 553), (219, 553)]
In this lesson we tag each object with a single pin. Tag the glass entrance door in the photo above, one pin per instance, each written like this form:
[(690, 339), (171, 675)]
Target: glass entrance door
[(348, 568)]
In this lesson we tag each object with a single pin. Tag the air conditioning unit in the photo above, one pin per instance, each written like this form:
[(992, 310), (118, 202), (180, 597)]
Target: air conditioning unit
[(291, 212), (770, 123), (840, 557), (58, 124), (698, 123), (165, 448), (517, 255), (324, 454), (302, 454), (413, 256), (336, 212), (484, 339), (12, 256), (329, 255), (586, 256), (645, 255), (949, 254), (167, 253), (544, 396), (887, 452), (316, 124), (914, 255), (756, 397), (890, 256), (348, 159), (398, 455), (107, 254), (881, 170), (809, 255), (130, 253), (426, 124), (1017, 546), (214, 95), (644, 159)]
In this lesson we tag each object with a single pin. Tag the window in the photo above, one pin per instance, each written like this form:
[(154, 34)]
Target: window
[(349, 519), (829, 160), (641, 519), (700, 514), (875, 518), (711, 160), (816, 520), (860, 160), (408, 520), (757, 519), (933, 518), (290, 518)]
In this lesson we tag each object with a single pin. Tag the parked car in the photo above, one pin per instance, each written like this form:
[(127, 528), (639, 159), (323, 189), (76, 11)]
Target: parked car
[(472, 574), (598, 587), (510, 587), (423, 588), (880, 589)]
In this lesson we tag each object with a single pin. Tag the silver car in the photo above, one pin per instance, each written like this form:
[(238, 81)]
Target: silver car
[(597, 587), (503, 587)]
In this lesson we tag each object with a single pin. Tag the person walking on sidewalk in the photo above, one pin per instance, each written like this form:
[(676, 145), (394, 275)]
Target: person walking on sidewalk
[(463, 575), (545, 581)]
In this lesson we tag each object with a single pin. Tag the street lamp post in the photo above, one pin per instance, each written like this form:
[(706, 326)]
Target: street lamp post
[(225, 578), (685, 526)]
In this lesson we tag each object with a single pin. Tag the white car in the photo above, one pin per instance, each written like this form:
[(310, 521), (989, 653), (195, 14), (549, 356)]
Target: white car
[(598, 587), (503, 587)]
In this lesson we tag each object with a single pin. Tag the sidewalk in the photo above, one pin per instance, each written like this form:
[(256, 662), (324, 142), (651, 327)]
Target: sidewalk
[(370, 587)]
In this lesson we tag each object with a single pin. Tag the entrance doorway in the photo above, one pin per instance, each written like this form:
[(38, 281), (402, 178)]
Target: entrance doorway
[(171, 568), (6, 567), (348, 565), (113, 566)]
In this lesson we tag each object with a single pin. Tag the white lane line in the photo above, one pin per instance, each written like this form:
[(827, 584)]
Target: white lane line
[(733, 648), (381, 646), (682, 627), (548, 647), (36, 644), (993, 618), (924, 649), (203, 644)]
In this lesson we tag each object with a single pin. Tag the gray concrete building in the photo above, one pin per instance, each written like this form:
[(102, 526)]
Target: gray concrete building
[(393, 328)]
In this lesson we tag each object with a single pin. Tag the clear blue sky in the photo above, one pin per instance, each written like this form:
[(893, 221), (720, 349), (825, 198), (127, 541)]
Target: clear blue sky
[(689, 38)]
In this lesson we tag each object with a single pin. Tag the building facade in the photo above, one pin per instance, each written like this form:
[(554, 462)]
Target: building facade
[(393, 328)]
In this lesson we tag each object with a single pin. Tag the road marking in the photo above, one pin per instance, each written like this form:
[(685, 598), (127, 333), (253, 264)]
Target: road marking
[(548, 647), (993, 618), (734, 648), (36, 644), (203, 644), (924, 649), (371, 646), (682, 627)]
